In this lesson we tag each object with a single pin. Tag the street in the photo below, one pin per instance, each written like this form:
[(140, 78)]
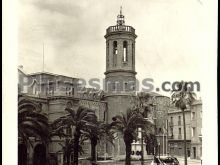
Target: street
[(190, 161)]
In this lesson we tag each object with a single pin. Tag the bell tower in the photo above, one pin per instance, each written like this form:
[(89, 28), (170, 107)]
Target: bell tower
[(120, 80)]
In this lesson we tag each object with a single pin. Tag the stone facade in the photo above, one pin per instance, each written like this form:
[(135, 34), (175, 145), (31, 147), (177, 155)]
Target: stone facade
[(54, 93)]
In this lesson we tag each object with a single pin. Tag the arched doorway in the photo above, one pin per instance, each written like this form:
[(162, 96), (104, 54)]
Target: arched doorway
[(39, 155), (22, 154)]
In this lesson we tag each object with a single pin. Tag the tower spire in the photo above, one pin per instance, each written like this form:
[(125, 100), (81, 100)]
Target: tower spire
[(120, 18)]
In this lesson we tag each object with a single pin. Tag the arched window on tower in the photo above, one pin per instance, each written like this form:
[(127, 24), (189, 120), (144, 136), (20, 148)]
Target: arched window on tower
[(125, 51), (107, 54), (115, 52), (133, 55)]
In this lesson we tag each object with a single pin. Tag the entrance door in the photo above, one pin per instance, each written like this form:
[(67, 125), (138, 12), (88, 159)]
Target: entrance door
[(194, 152), (22, 154), (188, 152), (39, 155)]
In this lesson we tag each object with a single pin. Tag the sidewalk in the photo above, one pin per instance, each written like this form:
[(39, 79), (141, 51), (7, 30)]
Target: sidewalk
[(191, 160)]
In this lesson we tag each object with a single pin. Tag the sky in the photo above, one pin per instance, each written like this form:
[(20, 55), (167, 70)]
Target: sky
[(173, 37)]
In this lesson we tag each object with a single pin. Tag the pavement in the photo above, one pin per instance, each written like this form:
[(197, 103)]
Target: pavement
[(189, 161)]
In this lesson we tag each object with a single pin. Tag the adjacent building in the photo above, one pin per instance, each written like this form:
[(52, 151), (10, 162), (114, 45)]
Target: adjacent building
[(196, 130), (175, 131), (193, 119)]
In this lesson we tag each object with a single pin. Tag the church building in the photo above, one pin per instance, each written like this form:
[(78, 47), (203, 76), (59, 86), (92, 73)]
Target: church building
[(56, 92)]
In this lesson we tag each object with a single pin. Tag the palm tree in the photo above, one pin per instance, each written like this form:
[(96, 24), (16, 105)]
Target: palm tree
[(67, 150), (127, 124), (100, 131), (68, 146), (181, 98), (81, 118), (31, 123)]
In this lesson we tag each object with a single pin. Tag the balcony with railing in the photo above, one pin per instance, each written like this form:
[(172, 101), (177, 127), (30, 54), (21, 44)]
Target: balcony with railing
[(120, 28)]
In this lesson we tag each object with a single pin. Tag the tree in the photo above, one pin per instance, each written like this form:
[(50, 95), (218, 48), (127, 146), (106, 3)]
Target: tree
[(82, 118), (31, 123), (127, 124), (68, 149), (100, 131), (181, 98)]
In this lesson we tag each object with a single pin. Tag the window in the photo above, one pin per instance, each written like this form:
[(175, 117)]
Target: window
[(200, 151), (108, 86), (180, 134), (34, 89), (125, 51), (133, 55), (72, 91), (193, 131), (179, 131), (115, 52), (133, 87), (125, 86), (171, 121), (104, 116), (171, 131), (179, 121), (114, 86), (193, 115), (107, 54), (66, 90)]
